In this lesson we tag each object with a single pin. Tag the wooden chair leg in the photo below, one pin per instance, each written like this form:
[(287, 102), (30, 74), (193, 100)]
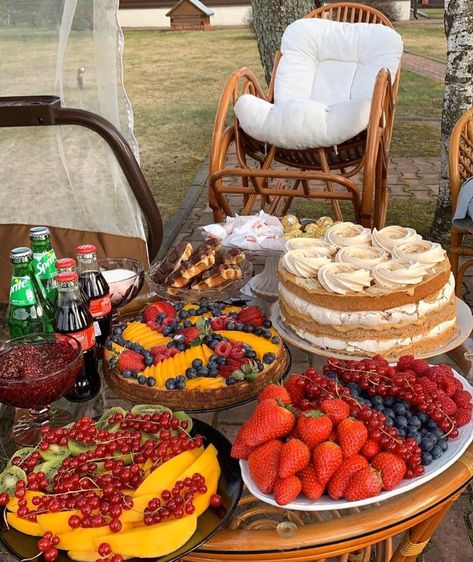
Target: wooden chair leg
[(380, 190), (459, 278), (456, 239)]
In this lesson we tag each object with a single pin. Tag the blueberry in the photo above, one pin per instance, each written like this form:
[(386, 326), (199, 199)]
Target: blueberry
[(443, 444), (256, 331), (276, 340), (248, 329), (213, 344), (180, 378), (230, 325), (201, 310), (181, 346), (267, 324), (423, 417), (161, 316), (436, 452), (202, 371), (151, 381), (267, 334), (376, 399), (426, 459), (178, 305), (437, 433), (213, 358), (127, 373), (400, 421), (354, 389), (415, 421), (192, 311), (251, 354), (208, 339), (183, 314), (221, 360), (109, 344), (402, 432), (389, 413), (134, 375), (187, 324), (231, 381), (260, 365), (213, 371), (148, 360), (268, 358), (378, 407), (233, 314), (239, 326), (331, 374), (179, 338), (427, 444), (388, 401), (217, 337), (416, 436), (167, 330), (389, 422), (171, 344), (196, 363), (431, 424), (170, 384), (142, 379), (191, 373), (399, 409), (180, 384)]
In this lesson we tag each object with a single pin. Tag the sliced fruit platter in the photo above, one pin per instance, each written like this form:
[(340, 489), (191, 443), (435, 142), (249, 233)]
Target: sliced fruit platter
[(148, 483), (357, 433), (197, 356)]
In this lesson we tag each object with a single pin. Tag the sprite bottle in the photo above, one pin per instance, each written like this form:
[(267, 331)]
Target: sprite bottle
[(44, 260), (28, 310)]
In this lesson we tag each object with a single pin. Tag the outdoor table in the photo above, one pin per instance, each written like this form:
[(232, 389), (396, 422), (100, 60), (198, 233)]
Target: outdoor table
[(260, 532)]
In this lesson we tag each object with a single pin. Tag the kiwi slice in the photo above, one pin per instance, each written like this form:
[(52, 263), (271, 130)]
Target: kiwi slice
[(55, 452), (22, 453), (148, 409), (181, 416), (9, 477), (103, 420), (76, 448), (50, 468)]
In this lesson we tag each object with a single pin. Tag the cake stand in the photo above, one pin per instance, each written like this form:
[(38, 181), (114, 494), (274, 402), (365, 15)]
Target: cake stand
[(464, 329)]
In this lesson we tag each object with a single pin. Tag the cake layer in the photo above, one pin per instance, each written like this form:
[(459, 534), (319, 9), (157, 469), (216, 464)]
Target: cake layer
[(372, 299), (396, 317), (421, 343), (389, 332)]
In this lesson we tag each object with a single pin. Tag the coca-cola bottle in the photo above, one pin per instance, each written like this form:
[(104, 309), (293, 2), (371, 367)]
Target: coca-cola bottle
[(98, 292), (72, 317), (70, 264)]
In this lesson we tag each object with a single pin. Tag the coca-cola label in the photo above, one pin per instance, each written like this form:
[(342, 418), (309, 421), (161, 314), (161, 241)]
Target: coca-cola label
[(101, 306), (86, 337), (45, 264), (22, 291)]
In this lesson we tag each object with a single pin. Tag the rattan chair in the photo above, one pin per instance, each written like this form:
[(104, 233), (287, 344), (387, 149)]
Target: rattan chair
[(461, 168), (272, 177)]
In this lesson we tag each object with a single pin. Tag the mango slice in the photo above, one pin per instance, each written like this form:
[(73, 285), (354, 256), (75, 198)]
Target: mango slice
[(212, 475), (207, 458), (57, 523), (86, 555), (23, 525), (78, 539), (13, 503), (152, 541), (165, 475)]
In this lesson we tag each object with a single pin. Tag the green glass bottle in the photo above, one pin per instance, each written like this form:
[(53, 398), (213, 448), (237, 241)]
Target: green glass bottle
[(44, 260), (28, 310)]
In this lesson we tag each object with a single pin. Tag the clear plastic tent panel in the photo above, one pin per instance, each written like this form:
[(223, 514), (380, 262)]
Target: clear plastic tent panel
[(65, 176)]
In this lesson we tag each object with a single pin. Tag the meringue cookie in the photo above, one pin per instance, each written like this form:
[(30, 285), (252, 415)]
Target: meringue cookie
[(309, 243), (396, 273), (390, 236), (343, 278), (422, 251), (348, 234), (305, 262), (364, 257)]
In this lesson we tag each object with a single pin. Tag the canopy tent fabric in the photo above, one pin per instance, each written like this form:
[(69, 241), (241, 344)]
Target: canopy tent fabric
[(65, 177)]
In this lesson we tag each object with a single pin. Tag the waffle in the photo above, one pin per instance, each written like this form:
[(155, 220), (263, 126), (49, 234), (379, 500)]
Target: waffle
[(216, 276)]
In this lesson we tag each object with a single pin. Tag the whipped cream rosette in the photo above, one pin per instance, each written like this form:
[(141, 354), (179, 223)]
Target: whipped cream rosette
[(364, 257), (305, 262), (309, 243), (396, 273), (423, 251), (343, 278), (348, 234), (390, 236)]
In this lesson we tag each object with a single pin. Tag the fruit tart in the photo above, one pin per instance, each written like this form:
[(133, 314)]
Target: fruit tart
[(195, 356)]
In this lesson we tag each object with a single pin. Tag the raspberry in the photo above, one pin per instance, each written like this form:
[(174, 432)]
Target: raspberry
[(427, 384), (447, 405), (420, 366), (223, 348), (219, 323), (171, 351), (405, 362), (380, 361), (452, 386), (158, 350), (461, 417)]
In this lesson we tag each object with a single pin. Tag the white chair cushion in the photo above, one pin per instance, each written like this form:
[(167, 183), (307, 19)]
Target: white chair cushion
[(324, 84)]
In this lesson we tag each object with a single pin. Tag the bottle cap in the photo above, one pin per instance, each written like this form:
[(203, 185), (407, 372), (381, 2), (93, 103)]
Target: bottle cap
[(39, 233), (67, 277), (21, 254), (86, 249), (65, 263)]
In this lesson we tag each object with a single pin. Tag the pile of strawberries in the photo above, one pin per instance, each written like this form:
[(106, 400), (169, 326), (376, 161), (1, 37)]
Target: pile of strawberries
[(313, 452)]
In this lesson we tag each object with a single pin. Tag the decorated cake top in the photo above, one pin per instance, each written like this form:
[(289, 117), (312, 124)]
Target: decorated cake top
[(353, 259)]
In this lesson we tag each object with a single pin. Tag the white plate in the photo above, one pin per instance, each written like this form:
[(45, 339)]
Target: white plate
[(464, 329), (455, 450)]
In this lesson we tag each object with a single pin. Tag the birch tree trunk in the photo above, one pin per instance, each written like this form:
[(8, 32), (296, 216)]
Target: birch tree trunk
[(458, 97), (270, 18)]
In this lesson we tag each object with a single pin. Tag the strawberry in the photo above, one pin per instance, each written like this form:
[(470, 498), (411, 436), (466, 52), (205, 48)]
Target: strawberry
[(269, 421), (314, 427), (336, 409), (150, 313), (365, 483), (263, 465), (391, 467), (352, 435), (251, 315), (275, 391), (295, 456), (223, 348), (231, 366), (219, 322), (190, 334), (311, 487), (327, 459), (462, 416), (339, 481), (295, 385), (240, 449), (370, 449), (286, 490), (131, 361), (153, 310)]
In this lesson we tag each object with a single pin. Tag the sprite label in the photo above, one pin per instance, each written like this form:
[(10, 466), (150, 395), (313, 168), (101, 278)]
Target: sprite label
[(22, 291), (44, 264)]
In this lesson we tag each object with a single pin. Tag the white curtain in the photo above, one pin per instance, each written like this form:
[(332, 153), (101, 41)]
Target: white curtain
[(65, 176)]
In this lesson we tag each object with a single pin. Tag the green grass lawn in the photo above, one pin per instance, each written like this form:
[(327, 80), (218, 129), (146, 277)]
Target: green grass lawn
[(425, 39), (432, 13)]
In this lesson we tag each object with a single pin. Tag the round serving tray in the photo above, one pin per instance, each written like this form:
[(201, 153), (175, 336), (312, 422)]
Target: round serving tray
[(464, 329), (230, 487), (199, 401), (455, 450)]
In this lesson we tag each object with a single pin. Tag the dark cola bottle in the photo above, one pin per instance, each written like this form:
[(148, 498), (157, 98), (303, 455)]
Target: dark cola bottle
[(72, 317), (97, 290)]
